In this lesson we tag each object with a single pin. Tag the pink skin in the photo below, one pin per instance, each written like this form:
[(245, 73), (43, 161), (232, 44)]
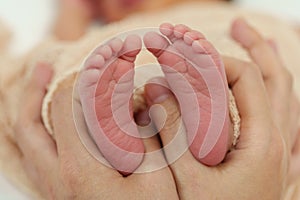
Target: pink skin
[(109, 117), (184, 45), (102, 98)]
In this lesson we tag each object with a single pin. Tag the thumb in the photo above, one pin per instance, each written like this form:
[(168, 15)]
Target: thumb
[(163, 106), (164, 112), (35, 92)]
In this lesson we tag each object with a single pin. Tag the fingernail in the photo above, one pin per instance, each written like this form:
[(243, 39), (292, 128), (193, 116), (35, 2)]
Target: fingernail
[(159, 94), (157, 90)]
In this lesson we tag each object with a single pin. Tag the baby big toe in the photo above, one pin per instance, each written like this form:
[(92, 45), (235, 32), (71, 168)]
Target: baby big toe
[(131, 48), (155, 43)]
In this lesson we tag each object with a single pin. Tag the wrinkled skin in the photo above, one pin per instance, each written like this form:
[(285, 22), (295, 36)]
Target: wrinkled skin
[(64, 169)]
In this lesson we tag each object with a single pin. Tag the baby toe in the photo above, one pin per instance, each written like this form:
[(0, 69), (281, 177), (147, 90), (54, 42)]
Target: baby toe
[(87, 79), (131, 47), (105, 51), (180, 30), (203, 46), (95, 61), (166, 29), (190, 36), (116, 45), (155, 43)]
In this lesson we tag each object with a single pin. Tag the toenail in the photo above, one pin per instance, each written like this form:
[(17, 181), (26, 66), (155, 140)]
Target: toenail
[(161, 98), (158, 94)]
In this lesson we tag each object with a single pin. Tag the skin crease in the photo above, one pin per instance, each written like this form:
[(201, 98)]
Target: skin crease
[(122, 158), (237, 169), (178, 35), (64, 169), (96, 96)]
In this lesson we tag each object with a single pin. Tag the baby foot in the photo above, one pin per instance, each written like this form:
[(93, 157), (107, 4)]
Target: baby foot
[(193, 69), (105, 90)]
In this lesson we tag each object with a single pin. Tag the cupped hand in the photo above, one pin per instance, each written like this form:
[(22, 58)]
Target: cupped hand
[(269, 109), (256, 169), (64, 169), (279, 85)]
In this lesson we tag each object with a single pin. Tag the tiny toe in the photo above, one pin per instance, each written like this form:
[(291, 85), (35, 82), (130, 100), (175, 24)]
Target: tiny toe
[(105, 51), (88, 78), (155, 43), (166, 29), (116, 45), (207, 46), (180, 30), (131, 47), (94, 62), (191, 36), (203, 46)]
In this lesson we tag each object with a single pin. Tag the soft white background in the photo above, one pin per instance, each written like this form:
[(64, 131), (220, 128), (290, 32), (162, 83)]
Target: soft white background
[(30, 20)]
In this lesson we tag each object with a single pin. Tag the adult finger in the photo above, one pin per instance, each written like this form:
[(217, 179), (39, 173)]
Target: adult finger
[(264, 53), (154, 158), (247, 85), (41, 181), (66, 133), (76, 149), (294, 118), (32, 138), (260, 139), (34, 93), (166, 116), (294, 170), (259, 49), (248, 88), (277, 79)]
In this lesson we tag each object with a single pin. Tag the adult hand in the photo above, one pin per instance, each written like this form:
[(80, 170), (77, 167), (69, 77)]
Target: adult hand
[(64, 169), (256, 169), (271, 104), (279, 84)]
